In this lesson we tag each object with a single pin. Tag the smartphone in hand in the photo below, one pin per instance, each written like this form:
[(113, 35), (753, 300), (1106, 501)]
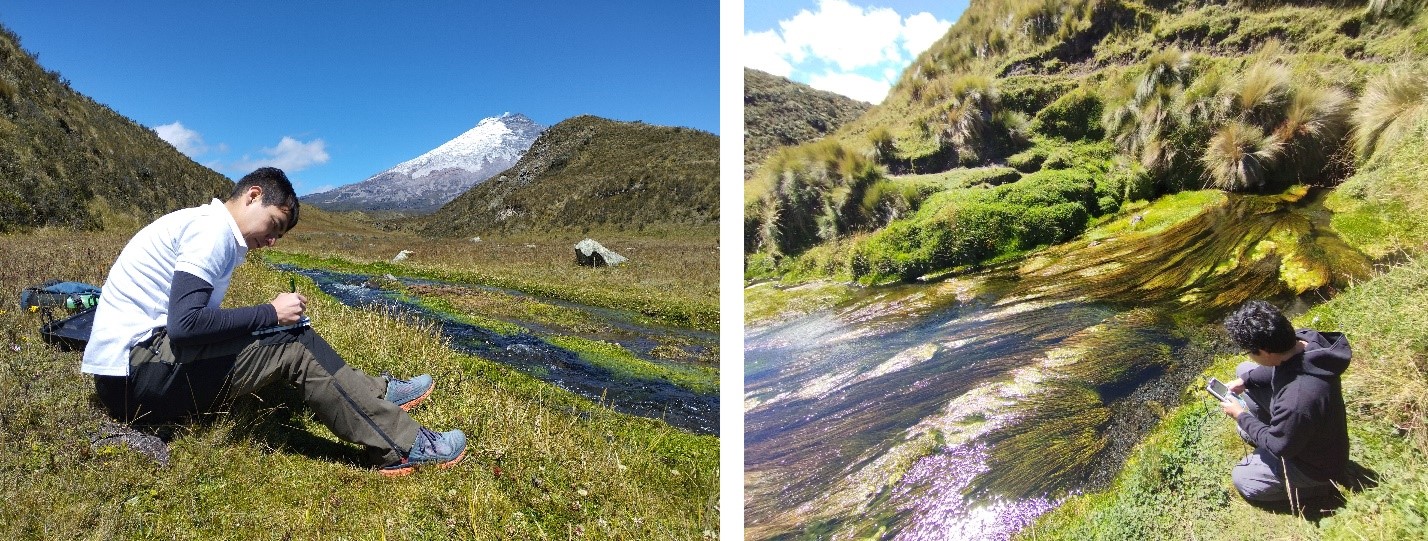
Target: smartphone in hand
[(1222, 393)]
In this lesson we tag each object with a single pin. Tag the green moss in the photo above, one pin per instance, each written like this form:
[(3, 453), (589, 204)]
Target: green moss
[(1076, 115), (1061, 425), (1380, 210), (445, 308), (768, 302), (974, 226), (618, 360), (1029, 160)]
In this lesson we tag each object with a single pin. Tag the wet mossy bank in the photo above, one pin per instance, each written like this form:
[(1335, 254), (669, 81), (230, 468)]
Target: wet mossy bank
[(1176, 484), (1059, 364)]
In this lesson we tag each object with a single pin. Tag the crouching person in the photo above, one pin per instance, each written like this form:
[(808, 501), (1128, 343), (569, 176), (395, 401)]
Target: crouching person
[(162, 348), (1295, 417)]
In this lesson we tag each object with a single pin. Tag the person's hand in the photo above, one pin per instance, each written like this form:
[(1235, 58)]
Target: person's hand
[(290, 307), (1236, 385), (1232, 408)]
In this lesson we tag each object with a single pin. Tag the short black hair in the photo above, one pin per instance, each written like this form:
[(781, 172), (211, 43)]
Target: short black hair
[(277, 190), (1258, 325)]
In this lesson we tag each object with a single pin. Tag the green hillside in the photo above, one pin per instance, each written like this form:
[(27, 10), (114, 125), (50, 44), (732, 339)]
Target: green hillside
[(779, 112), (1097, 103), (1032, 121), (589, 172), (66, 160)]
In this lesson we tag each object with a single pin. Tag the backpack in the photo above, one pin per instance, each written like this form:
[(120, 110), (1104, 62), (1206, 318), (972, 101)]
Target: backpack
[(66, 309)]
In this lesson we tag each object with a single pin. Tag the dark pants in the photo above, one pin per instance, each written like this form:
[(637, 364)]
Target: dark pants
[(166, 382)]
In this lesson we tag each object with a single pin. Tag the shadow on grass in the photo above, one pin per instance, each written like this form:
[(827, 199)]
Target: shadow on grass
[(1356, 478), (272, 418)]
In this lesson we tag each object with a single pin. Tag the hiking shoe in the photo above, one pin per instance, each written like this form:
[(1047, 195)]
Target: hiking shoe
[(442, 449), (408, 393)]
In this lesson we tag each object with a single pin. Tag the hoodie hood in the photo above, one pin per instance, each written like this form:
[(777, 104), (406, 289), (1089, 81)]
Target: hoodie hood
[(1327, 354)]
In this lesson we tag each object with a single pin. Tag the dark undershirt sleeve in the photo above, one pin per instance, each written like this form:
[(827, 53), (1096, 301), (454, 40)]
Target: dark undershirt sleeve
[(192, 322)]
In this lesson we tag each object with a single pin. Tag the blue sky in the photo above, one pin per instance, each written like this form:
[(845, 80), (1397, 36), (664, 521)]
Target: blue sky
[(335, 92), (856, 48)]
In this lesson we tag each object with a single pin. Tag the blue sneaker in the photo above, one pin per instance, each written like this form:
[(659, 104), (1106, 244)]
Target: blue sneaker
[(408, 393), (443, 449)]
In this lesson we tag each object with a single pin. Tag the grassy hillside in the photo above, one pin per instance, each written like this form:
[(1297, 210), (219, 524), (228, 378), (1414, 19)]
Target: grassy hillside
[(589, 172), (66, 160), (1031, 121), (779, 112), (1137, 99)]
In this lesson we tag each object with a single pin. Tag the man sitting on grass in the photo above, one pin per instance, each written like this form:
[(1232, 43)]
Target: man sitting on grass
[(1296, 419), (162, 347)]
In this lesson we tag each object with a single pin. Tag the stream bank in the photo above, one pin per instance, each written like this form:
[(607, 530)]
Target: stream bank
[(520, 345), (974, 404)]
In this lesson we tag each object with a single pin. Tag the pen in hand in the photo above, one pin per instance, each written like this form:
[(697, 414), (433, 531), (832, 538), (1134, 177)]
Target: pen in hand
[(292, 284)]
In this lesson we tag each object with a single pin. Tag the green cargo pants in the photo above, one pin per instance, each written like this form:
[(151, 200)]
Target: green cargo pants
[(166, 381)]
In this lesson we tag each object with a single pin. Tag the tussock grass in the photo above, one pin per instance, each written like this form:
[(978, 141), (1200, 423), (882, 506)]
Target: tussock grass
[(1240, 157), (1390, 105), (542, 462), (1260, 95)]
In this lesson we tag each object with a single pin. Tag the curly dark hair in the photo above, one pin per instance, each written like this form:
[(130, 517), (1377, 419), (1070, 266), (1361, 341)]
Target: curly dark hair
[(1258, 325), (277, 190)]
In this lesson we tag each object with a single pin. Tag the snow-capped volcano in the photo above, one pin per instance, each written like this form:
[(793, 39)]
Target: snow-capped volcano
[(426, 182)]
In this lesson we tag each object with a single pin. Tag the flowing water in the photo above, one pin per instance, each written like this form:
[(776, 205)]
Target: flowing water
[(965, 408), (533, 355)]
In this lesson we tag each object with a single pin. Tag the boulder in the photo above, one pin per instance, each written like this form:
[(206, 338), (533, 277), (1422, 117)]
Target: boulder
[(591, 254)]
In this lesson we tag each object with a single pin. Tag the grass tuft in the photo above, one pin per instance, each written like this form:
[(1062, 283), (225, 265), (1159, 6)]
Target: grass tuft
[(1390, 105), (1240, 157)]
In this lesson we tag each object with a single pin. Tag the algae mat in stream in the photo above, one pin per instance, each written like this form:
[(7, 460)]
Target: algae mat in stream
[(969, 406)]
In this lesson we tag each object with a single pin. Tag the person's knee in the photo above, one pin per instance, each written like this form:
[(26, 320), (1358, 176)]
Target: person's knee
[(1243, 369), (1253, 485)]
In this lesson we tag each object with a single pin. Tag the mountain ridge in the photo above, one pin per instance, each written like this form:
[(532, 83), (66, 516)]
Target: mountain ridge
[(589, 171), (779, 112), (426, 182)]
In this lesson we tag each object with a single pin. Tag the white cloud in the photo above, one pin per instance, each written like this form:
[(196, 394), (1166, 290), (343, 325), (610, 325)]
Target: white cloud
[(185, 140), (921, 31), (767, 52), (843, 34), (855, 86), (290, 155), (844, 47)]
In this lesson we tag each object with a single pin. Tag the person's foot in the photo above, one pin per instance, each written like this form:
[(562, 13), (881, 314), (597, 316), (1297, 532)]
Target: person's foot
[(442, 449), (408, 393)]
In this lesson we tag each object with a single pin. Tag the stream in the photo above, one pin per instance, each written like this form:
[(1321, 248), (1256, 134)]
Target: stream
[(529, 353), (966, 407)]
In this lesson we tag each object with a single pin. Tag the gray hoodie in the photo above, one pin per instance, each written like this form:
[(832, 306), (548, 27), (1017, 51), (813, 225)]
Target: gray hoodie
[(1307, 424)]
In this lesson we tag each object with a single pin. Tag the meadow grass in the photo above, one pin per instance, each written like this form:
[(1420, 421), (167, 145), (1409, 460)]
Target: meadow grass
[(672, 276), (542, 463)]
